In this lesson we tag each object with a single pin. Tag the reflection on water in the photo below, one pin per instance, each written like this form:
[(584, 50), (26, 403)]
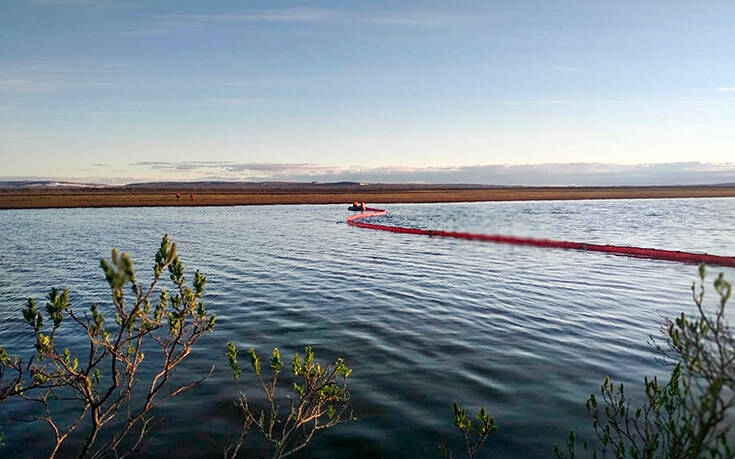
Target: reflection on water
[(528, 332)]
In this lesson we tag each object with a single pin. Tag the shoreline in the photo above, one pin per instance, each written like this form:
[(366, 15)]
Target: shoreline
[(160, 197)]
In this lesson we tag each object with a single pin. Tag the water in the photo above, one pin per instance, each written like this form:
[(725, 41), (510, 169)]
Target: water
[(527, 332)]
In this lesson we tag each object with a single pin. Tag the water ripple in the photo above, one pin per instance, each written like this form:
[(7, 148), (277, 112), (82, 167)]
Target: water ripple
[(424, 321)]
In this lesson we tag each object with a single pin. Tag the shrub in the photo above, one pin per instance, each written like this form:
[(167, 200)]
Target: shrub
[(320, 400), (103, 383), (473, 439), (686, 416)]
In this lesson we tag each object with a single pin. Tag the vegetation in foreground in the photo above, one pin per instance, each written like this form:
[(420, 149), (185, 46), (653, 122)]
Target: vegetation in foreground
[(684, 417), (102, 384), (320, 401)]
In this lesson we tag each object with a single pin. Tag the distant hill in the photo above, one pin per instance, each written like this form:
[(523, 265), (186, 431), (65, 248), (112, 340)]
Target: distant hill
[(297, 186), (239, 185), (36, 186), (265, 187)]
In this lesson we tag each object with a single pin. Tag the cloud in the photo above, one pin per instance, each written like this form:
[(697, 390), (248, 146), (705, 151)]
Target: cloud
[(726, 89), (578, 101), (36, 84), (551, 174), (297, 15), (175, 22), (418, 19), (45, 76), (28, 134), (539, 102), (26, 85), (104, 113), (97, 180), (71, 2), (582, 174), (250, 170), (209, 102), (275, 15)]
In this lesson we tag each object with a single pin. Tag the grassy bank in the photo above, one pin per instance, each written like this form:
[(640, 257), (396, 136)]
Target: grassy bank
[(126, 197)]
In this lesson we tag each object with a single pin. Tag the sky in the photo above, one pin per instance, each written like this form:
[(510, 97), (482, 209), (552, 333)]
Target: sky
[(526, 92)]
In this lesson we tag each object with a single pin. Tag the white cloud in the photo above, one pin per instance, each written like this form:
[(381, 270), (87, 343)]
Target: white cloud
[(171, 23), (46, 76), (26, 85), (551, 174), (104, 113), (566, 68), (418, 19), (72, 2), (208, 102), (540, 102), (681, 173), (175, 22), (726, 89), (280, 15), (262, 170)]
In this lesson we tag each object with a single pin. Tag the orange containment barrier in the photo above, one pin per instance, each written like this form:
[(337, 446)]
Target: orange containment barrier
[(656, 254)]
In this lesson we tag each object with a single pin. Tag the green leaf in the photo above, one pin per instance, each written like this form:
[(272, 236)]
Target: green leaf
[(254, 361), (276, 363), (296, 364), (232, 359)]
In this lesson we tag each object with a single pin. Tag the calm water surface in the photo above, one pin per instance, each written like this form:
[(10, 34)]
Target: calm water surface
[(527, 332)]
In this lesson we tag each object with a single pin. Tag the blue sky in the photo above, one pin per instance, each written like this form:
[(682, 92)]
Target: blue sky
[(117, 91)]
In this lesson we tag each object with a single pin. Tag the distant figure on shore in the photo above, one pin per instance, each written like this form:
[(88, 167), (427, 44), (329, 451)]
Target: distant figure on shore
[(178, 196), (192, 196)]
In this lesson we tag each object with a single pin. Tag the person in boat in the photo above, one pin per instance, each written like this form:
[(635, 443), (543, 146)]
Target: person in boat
[(362, 206)]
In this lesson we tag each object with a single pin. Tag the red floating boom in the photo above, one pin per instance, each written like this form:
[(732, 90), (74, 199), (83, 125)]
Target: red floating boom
[(657, 254)]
